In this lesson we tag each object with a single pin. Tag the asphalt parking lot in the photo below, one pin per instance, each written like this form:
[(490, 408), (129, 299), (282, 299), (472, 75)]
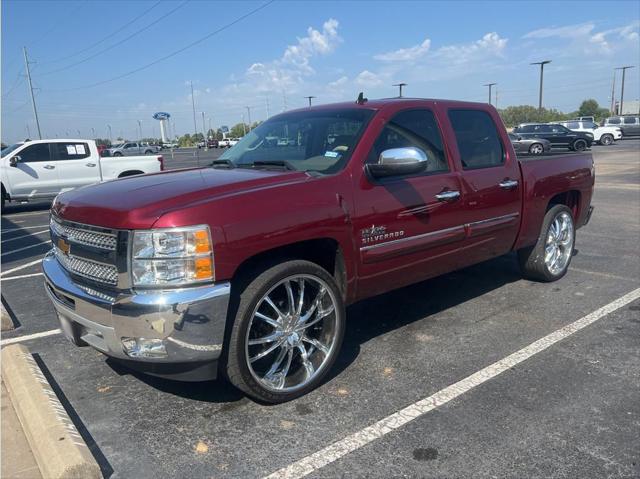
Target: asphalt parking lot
[(570, 410)]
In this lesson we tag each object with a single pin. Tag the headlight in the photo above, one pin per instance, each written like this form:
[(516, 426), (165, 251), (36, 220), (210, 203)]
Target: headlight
[(172, 256)]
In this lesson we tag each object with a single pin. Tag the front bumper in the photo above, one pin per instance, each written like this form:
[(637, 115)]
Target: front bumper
[(186, 326)]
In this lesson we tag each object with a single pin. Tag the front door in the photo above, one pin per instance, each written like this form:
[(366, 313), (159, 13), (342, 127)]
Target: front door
[(407, 228), (35, 174), (75, 165)]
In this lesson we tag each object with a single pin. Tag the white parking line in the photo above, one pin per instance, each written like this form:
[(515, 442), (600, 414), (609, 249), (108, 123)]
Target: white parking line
[(355, 441), (27, 337), (24, 236), (28, 213), (18, 268), (21, 276), (24, 248), (4, 230)]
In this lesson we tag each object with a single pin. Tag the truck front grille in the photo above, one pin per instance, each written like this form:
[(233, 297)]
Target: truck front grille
[(98, 272), (105, 241)]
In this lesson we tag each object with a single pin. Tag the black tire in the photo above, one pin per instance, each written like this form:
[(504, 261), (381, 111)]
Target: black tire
[(536, 149), (606, 139), (117, 153), (244, 303), (531, 259), (148, 152), (579, 145)]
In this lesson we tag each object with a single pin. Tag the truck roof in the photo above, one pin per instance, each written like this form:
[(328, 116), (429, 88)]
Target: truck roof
[(380, 103)]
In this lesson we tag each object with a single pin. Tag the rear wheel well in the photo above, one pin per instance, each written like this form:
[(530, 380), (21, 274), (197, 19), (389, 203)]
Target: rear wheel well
[(325, 252), (130, 173), (570, 199)]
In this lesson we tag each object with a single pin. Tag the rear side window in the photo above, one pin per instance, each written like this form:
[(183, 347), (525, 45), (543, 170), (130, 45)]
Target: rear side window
[(613, 121), (33, 153), (573, 125), (629, 121), (70, 151), (477, 138), (412, 128)]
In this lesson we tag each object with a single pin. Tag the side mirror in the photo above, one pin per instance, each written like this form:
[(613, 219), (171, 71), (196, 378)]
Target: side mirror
[(399, 161), (14, 161)]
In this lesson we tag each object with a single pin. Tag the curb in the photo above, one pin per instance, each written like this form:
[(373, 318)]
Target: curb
[(6, 323), (58, 448)]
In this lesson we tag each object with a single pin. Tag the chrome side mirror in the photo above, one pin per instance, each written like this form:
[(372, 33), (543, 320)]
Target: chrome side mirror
[(14, 161), (399, 161)]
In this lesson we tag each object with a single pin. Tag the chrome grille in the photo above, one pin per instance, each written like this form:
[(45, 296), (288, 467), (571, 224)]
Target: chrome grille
[(105, 241), (101, 273)]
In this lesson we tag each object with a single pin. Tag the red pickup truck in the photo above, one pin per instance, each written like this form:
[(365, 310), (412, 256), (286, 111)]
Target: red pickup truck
[(245, 267)]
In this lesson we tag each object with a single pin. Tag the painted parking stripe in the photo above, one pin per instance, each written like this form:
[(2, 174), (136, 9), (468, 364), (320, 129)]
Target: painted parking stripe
[(27, 337), (23, 276), (10, 230), (24, 236), (355, 441), (18, 268), (25, 247), (29, 213)]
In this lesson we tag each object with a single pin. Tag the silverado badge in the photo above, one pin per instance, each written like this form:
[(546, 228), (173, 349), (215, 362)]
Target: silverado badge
[(379, 233)]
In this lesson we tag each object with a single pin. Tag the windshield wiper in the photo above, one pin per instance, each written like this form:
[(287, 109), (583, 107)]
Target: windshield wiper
[(285, 164), (228, 163)]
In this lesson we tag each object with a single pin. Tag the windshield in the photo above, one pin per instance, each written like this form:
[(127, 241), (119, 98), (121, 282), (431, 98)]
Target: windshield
[(321, 140), (118, 145), (9, 149)]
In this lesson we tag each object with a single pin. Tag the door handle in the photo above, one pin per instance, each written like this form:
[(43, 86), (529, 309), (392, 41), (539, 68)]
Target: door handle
[(448, 196), (48, 167), (508, 184), (91, 164)]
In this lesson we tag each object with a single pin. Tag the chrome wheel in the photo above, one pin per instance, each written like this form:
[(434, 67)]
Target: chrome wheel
[(606, 139), (292, 333), (559, 244), (536, 149)]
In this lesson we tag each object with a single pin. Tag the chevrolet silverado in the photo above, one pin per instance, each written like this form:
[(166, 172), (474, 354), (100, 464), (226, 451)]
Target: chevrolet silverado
[(245, 267)]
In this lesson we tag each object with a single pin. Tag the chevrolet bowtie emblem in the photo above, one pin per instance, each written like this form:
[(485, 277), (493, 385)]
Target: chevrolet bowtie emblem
[(64, 246)]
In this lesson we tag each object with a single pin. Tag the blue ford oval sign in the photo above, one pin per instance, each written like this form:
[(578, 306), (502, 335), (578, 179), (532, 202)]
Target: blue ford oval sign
[(161, 115)]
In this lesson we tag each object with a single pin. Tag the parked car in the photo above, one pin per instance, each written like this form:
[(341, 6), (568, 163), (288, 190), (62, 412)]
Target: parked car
[(558, 135), (131, 148), (247, 265), (169, 145), (40, 169), (212, 143), (532, 146), (233, 141), (224, 143), (605, 135), (630, 125)]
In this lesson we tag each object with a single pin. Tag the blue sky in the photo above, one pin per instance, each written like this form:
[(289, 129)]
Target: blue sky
[(291, 49)]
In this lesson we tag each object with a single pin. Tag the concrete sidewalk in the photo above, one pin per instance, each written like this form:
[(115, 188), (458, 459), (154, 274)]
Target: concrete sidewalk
[(17, 458)]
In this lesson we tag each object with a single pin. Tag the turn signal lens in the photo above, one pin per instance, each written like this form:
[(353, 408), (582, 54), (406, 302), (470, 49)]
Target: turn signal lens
[(201, 240), (203, 268)]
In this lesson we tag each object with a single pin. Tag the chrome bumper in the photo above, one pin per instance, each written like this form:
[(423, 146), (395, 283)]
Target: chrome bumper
[(187, 324)]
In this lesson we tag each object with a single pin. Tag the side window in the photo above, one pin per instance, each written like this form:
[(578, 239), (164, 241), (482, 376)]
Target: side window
[(526, 129), (573, 125), (70, 151), (477, 138), (613, 121), (412, 128), (629, 121), (33, 153)]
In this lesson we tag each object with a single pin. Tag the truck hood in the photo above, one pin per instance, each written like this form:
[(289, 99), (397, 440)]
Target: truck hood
[(138, 201)]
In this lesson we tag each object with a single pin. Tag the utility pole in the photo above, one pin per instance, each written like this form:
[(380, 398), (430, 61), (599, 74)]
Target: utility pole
[(309, 98), (110, 134), (28, 131), (624, 69), (249, 116), (79, 135), (542, 64), (490, 85), (33, 99), (93, 132), (244, 125), (195, 125), (400, 85), (284, 101), (267, 100), (140, 128), (613, 93), (204, 133), (496, 105)]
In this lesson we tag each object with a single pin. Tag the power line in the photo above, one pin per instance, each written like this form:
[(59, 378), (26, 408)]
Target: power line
[(18, 81), (104, 50), (107, 37), (69, 14), (176, 52)]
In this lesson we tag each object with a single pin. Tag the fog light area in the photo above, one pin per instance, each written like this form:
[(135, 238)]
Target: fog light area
[(144, 348)]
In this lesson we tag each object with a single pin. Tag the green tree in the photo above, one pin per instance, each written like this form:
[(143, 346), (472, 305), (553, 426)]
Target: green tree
[(514, 115), (238, 130), (590, 107)]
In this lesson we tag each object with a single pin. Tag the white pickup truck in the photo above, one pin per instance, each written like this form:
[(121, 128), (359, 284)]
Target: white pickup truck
[(40, 169)]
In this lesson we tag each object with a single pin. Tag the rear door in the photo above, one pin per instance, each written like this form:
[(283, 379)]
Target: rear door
[(408, 227), (491, 183), (630, 126), (76, 166), (35, 174)]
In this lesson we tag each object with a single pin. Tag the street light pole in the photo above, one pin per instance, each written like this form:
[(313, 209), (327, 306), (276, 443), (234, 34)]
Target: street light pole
[(140, 128), (399, 85), (249, 116), (490, 85), (613, 93), (204, 133), (309, 98), (195, 124), (110, 134), (542, 64), (624, 69)]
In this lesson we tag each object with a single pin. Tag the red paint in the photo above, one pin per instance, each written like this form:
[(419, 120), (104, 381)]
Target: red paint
[(254, 211)]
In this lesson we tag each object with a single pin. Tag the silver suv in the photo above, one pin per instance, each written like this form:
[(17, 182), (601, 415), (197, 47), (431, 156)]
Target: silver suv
[(630, 125)]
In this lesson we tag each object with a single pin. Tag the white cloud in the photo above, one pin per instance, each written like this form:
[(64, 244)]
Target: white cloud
[(490, 44), (405, 54), (368, 79), (315, 42), (340, 82), (568, 31)]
